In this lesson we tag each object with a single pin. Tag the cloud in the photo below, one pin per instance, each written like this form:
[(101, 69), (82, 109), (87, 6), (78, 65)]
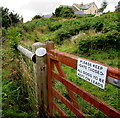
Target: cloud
[(110, 7), (29, 8), (41, 7)]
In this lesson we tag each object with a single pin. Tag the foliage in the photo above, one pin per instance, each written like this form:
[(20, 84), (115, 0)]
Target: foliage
[(103, 6), (100, 42), (9, 18), (57, 11), (36, 17), (14, 98), (64, 12), (15, 102), (55, 26), (3, 31), (117, 8), (95, 38), (13, 37), (85, 16), (97, 25)]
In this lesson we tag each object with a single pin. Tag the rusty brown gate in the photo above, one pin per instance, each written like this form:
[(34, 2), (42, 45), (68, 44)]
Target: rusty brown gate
[(54, 59), (48, 70)]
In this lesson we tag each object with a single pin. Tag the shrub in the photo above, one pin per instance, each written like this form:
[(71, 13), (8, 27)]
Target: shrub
[(13, 37), (63, 34), (111, 26), (105, 42), (85, 16), (54, 26), (36, 17), (9, 18), (64, 12), (3, 31), (67, 12), (84, 26), (97, 24)]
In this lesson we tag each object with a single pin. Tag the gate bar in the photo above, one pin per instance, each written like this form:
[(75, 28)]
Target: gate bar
[(27, 53), (102, 106)]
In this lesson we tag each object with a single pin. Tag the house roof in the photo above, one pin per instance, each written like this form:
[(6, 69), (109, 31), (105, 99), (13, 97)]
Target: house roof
[(85, 6), (74, 8), (65, 6), (79, 12)]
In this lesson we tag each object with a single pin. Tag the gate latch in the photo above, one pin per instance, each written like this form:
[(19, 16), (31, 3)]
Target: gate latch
[(114, 81)]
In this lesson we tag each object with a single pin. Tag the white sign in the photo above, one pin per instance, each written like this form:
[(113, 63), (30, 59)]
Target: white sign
[(92, 72)]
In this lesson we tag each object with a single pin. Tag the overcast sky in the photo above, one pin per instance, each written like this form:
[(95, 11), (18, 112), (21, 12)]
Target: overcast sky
[(30, 8)]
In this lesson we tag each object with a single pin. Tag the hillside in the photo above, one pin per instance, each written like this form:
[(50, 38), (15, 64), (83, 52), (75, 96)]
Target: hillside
[(95, 38), (85, 36)]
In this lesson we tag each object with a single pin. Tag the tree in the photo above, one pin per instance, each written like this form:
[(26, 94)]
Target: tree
[(36, 17), (64, 12), (57, 11), (103, 6), (117, 8), (9, 18), (67, 12)]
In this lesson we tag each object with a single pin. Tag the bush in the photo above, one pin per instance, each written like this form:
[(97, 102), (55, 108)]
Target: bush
[(13, 37), (54, 26), (97, 24), (67, 12), (64, 12), (9, 18), (36, 17), (105, 42), (62, 35), (3, 31), (111, 26), (85, 16)]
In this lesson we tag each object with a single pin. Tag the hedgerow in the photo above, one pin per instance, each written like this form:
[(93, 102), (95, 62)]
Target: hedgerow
[(102, 42)]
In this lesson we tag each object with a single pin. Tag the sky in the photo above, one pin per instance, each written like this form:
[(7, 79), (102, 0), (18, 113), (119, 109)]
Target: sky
[(29, 8)]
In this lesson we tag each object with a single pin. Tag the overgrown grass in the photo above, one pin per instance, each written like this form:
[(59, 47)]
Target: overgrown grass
[(106, 95), (15, 97)]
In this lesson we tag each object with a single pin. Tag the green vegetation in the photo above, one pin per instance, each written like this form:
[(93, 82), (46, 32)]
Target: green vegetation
[(15, 97), (36, 17), (9, 18), (95, 38), (117, 8), (64, 12)]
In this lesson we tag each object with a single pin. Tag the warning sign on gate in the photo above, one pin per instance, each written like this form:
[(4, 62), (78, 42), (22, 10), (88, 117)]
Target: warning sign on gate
[(92, 72)]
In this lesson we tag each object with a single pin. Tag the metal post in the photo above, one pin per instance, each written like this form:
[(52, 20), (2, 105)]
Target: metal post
[(27, 53)]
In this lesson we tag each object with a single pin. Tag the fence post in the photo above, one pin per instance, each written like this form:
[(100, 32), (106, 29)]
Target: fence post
[(50, 46), (40, 73)]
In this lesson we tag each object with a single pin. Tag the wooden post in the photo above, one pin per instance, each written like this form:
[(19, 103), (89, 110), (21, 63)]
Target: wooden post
[(50, 46), (40, 71)]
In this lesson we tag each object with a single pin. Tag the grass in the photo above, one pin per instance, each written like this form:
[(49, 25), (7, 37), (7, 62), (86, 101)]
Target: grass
[(109, 57), (15, 101), (107, 95)]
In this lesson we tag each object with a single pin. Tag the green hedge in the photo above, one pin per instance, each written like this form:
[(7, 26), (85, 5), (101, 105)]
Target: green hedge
[(100, 42)]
